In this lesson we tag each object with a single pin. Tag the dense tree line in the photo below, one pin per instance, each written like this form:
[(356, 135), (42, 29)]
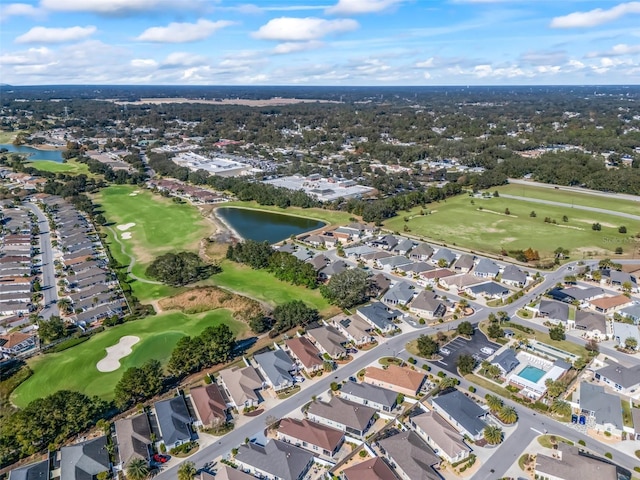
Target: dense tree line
[(347, 289), (178, 269), (191, 354), (293, 314), (138, 383)]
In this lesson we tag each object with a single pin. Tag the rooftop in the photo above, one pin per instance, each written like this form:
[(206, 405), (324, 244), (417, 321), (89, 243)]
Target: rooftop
[(344, 412), (277, 458), (396, 375), (322, 436), (412, 455), (461, 408)]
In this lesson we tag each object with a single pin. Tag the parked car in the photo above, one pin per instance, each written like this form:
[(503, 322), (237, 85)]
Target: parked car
[(487, 350), (159, 458), (445, 351)]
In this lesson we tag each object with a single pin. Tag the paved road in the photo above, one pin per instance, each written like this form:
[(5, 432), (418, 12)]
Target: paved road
[(597, 193), (576, 207), (49, 287)]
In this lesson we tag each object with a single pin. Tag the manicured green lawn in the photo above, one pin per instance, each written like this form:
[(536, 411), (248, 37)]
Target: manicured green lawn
[(75, 368), (609, 202), (71, 167), (329, 216), (7, 137), (261, 285), (483, 226)]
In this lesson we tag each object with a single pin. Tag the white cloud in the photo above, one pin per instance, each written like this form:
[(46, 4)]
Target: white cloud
[(543, 57), (354, 7), (143, 63), (56, 35), (595, 17), (117, 7), (616, 51), (292, 47), (19, 10), (183, 59), (289, 29), (182, 32)]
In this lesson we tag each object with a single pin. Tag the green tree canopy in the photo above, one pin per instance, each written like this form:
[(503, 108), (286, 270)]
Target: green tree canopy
[(465, 363), (465, 328), (139, 383), (427, 346), (180, 268), (293, 314), (347, 289)]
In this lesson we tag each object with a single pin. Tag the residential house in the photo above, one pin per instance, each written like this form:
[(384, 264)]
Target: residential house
[(319, 262), (427, 305), (554, 312), (349, 417), (432, 277), (603, 407), (410, 456), (632, 312), (506, 361), (460, 282), (608, 305), (305, 353), (404, 246), (356, 329), (489, 290), (422, 252), (174, 421), (276, 460), (389, 264), (441, 436), (461, 412), (318, 439), (17, 343), (358, 251), (386, 242), (576, 295), (241, 385), (486, 269), (277, 369), (444, 254), (513, 276), (85, 461), (415, 269), (373, 469), (210, 406), (464, 264), (333, 268), (623, 379), (32, 471), (399, 379), (378, 284), (567, 463), (329, 340), (134, 438), (225, 472), (619, 279), (379, 316), (593, 324), (399, 294), (622, 331), (367, 394)]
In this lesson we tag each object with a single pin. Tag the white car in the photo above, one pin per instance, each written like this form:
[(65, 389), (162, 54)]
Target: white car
[(487, 350), (445, 351)]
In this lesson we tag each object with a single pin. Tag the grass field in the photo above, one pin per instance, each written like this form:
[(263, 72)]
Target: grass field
[(70, 166), (7, 137), (607, 202), (261, 285), (483, 226), (75, 368), (329, 216)]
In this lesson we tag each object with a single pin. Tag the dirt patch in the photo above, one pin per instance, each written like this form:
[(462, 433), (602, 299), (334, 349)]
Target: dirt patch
[(203, 299)]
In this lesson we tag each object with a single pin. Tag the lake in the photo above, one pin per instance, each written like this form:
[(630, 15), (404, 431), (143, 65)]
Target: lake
[(261, 225), (33, 153)]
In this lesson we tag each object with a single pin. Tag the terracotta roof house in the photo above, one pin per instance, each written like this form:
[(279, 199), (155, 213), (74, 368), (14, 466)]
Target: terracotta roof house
[(410, 456), (210, 405), (427, 305), (372, 469), (318, 439), (329, 340), (568, 464), (610, 304), (276, 460), (441, 436), (305, 353), (33, 471), (84, 461), (134, 438), (399, 379), (343, 415), (242, 386)]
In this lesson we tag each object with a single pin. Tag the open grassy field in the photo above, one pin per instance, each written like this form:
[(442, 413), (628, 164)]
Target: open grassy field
[(482, 225), (75, 368), (70, 167), (263, 286), (329, 216), (7, 137), (609, 202)]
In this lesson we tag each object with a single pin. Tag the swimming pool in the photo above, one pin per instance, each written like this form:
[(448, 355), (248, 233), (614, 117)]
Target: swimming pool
[(533, 374)]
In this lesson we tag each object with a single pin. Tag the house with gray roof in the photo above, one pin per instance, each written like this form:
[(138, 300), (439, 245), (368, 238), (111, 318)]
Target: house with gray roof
[(506, 361), (379, 316), (329, 340), (486, 269), (441, 436), (464, 264), (582, 295), (134, 438), (421, 252), (349, 417), (622, 331), (379, 398), (427, 305), (404, 246), (463, 413), (319, 261), (358, 251), (621, 378), (332, 269), (410, 456), (513, 276), (84, 461), (489, 290), (33, 471), (389, 264), (277, 369), (225, 472), (617, 278), (174, 421), (399, 294), (276, 460), (303, 254), (555, 312), (604, 407), (444, 254), (386, 242), (242, 386), (632, 312), (593, 324), (356, 329), (568, 464)]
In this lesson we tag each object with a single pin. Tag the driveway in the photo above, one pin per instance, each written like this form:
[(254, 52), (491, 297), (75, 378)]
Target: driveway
[(459, 346)]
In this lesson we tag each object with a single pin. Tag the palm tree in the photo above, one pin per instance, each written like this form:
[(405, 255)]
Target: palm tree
[(495, 403), (494, 371), (187, 471), (508, 414), (561, 407), (492, 434), (137, 469), (65, 305)]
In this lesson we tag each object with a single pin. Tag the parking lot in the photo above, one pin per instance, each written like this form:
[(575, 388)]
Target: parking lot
[(460, 345)]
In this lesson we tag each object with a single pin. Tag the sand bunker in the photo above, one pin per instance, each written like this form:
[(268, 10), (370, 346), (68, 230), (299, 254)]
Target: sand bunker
[(133, 194), (126, 236), (120, 350), (126, 226)]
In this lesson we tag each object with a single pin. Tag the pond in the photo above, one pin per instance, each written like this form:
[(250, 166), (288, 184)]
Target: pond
[(260, 225), (33, 153)]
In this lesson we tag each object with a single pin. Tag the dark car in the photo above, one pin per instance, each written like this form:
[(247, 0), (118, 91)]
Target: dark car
[(159, 458)]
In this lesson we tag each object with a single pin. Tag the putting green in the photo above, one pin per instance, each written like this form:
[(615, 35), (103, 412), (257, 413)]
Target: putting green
[(75, 368)]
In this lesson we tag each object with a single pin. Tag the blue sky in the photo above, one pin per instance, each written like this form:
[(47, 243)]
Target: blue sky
[(320, 42)]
